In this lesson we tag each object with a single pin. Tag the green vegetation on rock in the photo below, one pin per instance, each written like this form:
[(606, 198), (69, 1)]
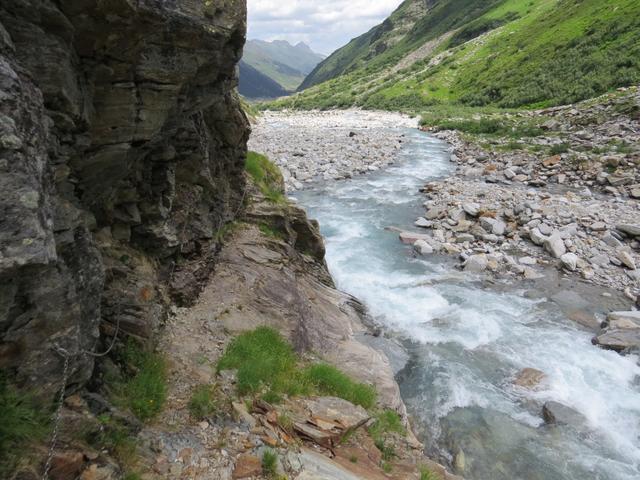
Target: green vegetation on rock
[(268, 366), (426, 474), (203, 403), (266, 176), (269, 463), (144, 389), (330, 381), (386, 421), (118, 439), (22, 421)]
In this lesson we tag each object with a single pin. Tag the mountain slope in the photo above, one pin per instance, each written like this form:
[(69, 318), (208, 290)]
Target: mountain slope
[(284, 63), (506, 53), (255, 84)]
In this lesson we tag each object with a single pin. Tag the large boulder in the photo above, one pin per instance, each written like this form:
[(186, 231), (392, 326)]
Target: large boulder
[(618, 340), (624, 320), (632, 230), (555, 246), (476, 263), (621, 332), (537, 236), (569, 261)]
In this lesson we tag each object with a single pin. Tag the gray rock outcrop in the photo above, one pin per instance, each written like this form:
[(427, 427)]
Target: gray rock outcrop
[(121, 154)]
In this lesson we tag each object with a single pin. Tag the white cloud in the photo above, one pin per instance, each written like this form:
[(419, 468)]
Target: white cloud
[(324, 24)]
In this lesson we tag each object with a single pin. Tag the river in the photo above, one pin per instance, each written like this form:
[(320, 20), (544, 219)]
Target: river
[(466, 341)]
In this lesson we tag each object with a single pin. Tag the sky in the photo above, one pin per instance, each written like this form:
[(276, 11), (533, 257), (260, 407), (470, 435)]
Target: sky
[(324, 25)]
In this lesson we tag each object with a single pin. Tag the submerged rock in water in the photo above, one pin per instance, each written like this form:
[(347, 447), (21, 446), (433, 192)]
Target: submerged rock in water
[(529, 378), (555, 413)]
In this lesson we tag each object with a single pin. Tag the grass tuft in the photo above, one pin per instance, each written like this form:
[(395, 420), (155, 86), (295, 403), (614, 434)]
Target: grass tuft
[(23, 421), (286, 422), (331, 381), (202, 403), (262, 358), (269, 463), (271, 232), (145, 390), (386, 422), (119, 440), (426, 474), (267, 365), (266, 176), (559, 148)]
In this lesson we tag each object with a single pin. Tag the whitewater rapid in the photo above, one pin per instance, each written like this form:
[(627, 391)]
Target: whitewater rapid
[(467, 342)]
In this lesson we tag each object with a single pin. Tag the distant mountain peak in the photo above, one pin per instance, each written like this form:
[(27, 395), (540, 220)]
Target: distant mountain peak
[(279, 60)]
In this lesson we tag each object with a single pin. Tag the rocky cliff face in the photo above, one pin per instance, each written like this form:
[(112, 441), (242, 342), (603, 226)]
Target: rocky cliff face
[(121, 155)]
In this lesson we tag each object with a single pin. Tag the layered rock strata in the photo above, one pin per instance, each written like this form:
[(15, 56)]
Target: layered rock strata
[(121, 155)]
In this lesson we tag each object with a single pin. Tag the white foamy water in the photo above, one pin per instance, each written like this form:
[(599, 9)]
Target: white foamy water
[(467, 342)]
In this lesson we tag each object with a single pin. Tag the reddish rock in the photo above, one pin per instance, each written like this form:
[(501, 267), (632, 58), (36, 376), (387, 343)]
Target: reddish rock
[(529, 378), (247, 466), (66, 465), (551, 161)]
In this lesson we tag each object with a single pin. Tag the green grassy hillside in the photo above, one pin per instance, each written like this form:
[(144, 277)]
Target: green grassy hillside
[(503, 53)]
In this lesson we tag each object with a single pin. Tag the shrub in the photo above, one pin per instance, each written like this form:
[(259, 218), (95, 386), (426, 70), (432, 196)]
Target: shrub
[(202, 403), (23, 420), (266, 176), (487, 126)]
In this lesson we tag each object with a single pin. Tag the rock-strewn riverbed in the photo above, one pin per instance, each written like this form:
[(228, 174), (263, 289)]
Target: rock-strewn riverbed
[(512, 210), (312, 146)]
